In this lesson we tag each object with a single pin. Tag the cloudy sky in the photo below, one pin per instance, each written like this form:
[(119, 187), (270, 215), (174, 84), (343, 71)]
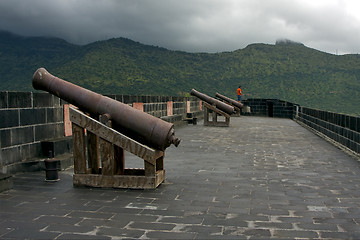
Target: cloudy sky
[(332, 26)]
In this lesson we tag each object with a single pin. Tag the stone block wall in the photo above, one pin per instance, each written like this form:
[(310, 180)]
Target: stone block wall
[(343, 129), (28, 119), (269, 108)]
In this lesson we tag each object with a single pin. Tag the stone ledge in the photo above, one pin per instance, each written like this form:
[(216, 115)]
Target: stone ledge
[(6, 182), (37, 164)]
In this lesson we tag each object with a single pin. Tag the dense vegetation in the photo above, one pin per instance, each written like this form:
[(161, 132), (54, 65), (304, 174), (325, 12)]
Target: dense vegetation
[(287, 70)]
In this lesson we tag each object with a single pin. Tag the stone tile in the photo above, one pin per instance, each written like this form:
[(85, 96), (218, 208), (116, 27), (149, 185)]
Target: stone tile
[(169, 235), (260, 178), (67, 228), (294, 234), (67, 236), (88, 214), (120, 232), (151, 226)]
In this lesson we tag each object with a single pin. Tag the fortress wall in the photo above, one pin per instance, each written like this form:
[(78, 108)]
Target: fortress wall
[(30, 119)]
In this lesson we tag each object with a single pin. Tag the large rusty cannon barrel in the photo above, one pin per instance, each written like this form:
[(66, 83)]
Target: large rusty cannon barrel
[(212, 101), (141, 126), (229, 100)]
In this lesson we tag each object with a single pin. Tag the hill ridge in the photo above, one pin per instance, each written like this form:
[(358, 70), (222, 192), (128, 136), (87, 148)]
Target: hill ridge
[(288, 71)]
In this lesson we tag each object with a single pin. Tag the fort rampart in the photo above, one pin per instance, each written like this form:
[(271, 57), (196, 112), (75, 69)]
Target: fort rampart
[(34, 123)]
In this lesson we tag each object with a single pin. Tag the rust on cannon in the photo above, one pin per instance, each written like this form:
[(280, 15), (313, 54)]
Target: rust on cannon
[(215, 102), (229, 100), (141, 126)]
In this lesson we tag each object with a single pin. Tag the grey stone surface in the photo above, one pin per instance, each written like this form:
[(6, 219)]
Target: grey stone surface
[(260, 178)]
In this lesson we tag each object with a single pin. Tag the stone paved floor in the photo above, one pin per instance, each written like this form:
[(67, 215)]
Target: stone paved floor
[(260, 178)]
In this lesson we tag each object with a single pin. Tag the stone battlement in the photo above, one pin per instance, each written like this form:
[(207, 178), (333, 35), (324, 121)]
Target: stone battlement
[(32, 120)]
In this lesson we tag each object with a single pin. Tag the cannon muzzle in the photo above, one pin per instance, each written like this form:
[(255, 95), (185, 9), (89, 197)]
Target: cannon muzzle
[(212, 101), (141, 126), (229, 100)]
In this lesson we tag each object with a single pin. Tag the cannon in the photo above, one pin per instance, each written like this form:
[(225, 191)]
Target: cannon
[(141, 126), (215, 102), (229, 100)]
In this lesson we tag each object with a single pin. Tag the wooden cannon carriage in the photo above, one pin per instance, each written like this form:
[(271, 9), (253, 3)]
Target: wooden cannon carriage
[(214, 108), (103, 129), (237, 105)]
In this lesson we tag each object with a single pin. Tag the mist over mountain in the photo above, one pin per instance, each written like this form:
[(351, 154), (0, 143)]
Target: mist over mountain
[(287, 70)]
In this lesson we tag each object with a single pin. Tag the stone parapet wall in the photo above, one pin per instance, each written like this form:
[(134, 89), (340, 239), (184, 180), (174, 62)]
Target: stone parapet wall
[(27, 119), (269, 108), (343, 129)]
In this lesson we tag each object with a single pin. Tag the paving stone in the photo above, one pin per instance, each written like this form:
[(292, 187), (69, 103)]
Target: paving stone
[(151, 226), (120, 232), (273, 225), (135, 217), (88, 214), (210, 230), (57, 219), (29, 234), (169, 235), (67, 236), (67, 228), (183, 220), (260, 178), (119, 223), (294, 234)]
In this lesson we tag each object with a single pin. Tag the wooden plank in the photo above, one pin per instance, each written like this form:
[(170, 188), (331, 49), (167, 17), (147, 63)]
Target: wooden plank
[(93, 152), (119, 181), (150, 169), (216, 110), (79, 149), (215, 121), (160, 163), (107, 150), (107, 157), (115, 137), (119, 160)]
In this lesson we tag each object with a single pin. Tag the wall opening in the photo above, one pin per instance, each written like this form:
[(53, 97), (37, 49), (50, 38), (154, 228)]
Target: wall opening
[(270, 106)]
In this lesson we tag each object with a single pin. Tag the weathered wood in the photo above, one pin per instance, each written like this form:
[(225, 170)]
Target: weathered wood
[(114, 136), (119, 181), (215, 112), (119, 157), (107, 157), (107, 150), (160, 163), (150, 169), (93, 152), (110, 146), (79, 149)]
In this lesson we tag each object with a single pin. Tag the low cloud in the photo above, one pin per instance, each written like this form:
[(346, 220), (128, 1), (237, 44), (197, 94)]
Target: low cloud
[(189, 25)]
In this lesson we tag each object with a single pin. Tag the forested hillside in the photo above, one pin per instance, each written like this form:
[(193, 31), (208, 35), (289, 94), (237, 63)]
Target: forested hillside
[(286, 70)]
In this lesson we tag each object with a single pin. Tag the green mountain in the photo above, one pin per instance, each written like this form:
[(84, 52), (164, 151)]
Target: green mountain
[(287, 70)]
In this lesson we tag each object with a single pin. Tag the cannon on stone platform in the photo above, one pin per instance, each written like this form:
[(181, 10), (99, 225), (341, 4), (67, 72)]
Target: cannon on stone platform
[(111, 127), (214, 107), (237, 105)]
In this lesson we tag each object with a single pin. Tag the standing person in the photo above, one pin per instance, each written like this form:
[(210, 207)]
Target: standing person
[(238, 91)]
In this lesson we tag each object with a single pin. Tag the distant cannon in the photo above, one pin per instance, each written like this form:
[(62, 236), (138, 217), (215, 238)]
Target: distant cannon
[(213, 101), (213, 108), (141, 126), (229, 100)]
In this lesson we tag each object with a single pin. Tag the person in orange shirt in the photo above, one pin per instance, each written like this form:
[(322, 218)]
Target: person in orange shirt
[(239, 93)]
